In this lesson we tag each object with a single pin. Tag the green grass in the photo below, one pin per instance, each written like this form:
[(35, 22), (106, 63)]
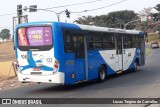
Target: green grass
[(152, 37), (148, 51)]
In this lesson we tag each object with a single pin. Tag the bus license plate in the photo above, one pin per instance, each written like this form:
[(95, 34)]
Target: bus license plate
[(38, 73), (36, 69)]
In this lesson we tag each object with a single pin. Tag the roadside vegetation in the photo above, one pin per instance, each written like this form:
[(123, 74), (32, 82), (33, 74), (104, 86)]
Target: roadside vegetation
[(148, 51), (151, 37)]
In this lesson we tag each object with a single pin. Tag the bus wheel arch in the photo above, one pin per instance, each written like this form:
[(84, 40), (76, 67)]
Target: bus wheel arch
[(136, 64), (102, 73)]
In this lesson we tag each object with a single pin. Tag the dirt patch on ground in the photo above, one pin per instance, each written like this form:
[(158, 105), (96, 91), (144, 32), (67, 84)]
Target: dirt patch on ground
[(7, 56), (11, 82), (7, 76), (7, 69), (7, 51)]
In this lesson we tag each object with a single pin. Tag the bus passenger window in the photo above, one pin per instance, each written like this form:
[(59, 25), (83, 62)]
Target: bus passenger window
[(91, 46), (67, 42), (68, 47)]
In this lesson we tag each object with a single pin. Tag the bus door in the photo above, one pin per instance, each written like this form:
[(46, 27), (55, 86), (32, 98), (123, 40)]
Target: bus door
[(119, 56), (80, 68)]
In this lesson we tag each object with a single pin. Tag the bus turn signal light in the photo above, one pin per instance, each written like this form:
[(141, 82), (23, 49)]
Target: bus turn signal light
[(56, 66), (73, 75)]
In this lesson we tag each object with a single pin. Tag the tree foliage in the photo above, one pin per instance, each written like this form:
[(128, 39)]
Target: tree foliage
[(5, 34), (115, 19), (86, 20), (146, 11), (157, 7)]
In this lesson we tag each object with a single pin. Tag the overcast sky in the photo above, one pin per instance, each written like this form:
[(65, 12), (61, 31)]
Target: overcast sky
[(10, 6)]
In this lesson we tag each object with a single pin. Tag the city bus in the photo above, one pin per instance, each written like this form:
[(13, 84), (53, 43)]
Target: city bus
[(68, 53)]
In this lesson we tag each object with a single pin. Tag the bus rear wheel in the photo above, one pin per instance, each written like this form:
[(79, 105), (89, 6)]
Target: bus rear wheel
[(101, 74)]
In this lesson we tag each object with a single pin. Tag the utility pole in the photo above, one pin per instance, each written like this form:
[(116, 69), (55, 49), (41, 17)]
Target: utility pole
[(114, 18), (130, 22), (58, 13), (66, 12), (142, 19), (19, 13)]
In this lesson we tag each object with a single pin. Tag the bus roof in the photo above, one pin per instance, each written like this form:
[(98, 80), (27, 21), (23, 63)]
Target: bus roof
[(102, 29), (83, 27)]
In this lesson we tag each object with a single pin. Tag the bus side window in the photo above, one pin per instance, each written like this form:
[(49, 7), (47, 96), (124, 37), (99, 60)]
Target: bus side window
[(136, 43), (108, 41), (91, 47), (67, 42), (80, 45), (95, 40), (128, 41)]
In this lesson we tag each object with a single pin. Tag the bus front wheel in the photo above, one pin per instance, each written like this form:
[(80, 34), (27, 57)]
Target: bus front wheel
[(136, 66), (101, 74)]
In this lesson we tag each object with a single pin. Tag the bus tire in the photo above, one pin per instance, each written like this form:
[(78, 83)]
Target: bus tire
[(101, 74), (135, 66)]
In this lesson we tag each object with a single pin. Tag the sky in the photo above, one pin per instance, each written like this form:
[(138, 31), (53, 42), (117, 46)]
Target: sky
[(10, 6)]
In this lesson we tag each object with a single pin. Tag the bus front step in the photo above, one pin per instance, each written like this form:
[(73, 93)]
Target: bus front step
[(119, 72)]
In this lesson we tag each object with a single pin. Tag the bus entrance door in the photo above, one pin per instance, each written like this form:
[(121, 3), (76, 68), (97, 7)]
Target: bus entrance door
[(80, 59), (118, 42)]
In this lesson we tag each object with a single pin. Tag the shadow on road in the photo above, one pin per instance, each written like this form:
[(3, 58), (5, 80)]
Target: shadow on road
[(93, 83)]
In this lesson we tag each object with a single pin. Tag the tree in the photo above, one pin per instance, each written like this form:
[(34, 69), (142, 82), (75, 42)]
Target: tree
[(5, 34), (118, 19), (157, 7), (114, 19), (86, 20), (146, 11), (149, 25)]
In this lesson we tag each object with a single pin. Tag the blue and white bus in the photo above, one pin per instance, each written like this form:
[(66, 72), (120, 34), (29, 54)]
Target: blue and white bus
[(65, 53)]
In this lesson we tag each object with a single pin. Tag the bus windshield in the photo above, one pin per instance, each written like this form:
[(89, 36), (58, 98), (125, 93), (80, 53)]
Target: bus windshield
[(34, 36)]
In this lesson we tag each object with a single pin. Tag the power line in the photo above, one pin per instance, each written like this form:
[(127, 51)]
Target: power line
[(6, 28), (100, 7), (60, 6), (74, 4), (77, 4), (46, 9), (7, 14)]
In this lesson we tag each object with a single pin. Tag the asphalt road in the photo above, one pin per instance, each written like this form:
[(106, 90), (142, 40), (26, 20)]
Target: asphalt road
[(142, 84)]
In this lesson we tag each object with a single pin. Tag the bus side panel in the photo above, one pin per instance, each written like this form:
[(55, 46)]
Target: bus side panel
[(15, 43), (137, 55), (69, 68), (58, 47), (95, 60), (109, 57), (66, 60), (128, 57)]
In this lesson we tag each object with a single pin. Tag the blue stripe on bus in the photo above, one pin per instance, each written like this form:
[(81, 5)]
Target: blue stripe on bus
[(32, 63)]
